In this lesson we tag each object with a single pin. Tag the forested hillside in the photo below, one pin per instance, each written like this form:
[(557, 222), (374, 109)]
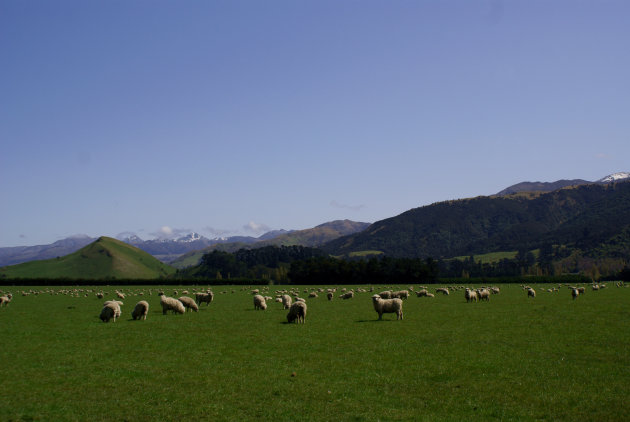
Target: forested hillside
[(592, 218)]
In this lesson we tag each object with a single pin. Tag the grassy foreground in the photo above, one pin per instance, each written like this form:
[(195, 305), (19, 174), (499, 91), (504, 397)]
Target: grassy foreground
[(514, 358)]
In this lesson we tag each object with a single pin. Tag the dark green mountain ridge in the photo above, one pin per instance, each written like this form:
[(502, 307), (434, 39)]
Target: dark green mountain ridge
[(586, 217)]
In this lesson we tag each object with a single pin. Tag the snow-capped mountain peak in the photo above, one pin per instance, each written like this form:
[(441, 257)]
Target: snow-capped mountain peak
[(134, 239), (191, 237), (615, 177)]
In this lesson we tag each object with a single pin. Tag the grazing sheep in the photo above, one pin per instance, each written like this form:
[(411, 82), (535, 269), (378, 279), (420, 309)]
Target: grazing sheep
[(531, 292), (120, 295), (347, 295), (329, 295), (171, 304), (442, 290), (141, 310), (100, 295), (259, 302), (401, 294), (581, 290), (297, 312), (286, 301), (575, 293), (430, 295), (204, 297), (189, 303), (495, 290), (388, 306), (387, 294), (4, 300), (421, 293), (312, 295), (111, 310)]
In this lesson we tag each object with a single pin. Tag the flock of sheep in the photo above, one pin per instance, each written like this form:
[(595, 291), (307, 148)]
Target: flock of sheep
[(388, 301)]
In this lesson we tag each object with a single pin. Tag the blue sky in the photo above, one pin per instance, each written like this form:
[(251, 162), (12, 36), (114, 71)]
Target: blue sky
[(236, 117)]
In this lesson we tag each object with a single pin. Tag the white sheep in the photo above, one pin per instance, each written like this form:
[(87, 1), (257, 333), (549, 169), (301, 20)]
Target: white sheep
[(259, 302), (189, 303), (422, 293), (442, 290), (286, 301), (401, 294), (297, 312), (4, 300), (575, 293), (171, 304), (483, 294), (388, 306), (141, 310), (387, 294), (204, 297), (531, 292), (470, 295), (347, 295), (111, 310)]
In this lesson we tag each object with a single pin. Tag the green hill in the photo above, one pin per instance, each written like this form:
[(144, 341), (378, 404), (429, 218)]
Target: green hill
[(592, 218), (106, 258)]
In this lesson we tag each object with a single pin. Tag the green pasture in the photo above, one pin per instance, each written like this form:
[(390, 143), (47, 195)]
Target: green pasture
[(511, 359)]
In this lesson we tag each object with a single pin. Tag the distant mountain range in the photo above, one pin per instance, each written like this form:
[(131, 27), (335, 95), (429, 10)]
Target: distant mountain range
[(18, 254), (593, 218), (315, 237), (168, 250), (559, 184)]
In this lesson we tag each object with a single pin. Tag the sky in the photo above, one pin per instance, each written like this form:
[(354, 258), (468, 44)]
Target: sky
[(237, 117)]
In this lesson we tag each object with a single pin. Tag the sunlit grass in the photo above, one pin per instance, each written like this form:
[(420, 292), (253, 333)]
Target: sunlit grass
[(514, 358)]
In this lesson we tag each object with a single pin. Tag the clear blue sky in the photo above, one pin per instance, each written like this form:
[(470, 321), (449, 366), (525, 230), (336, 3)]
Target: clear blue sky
[(234, 117)]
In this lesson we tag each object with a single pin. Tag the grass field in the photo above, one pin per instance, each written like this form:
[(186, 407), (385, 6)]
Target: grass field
[(511, 359)]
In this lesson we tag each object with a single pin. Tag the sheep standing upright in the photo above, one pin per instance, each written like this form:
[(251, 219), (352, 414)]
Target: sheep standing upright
[(471, 295), (297, 311), (387, 306), (141, 310), (531, 293), (347, 295), (483, 294), (259, 302), (286, 301), (204, 297), (575, 293), (329, 295)]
